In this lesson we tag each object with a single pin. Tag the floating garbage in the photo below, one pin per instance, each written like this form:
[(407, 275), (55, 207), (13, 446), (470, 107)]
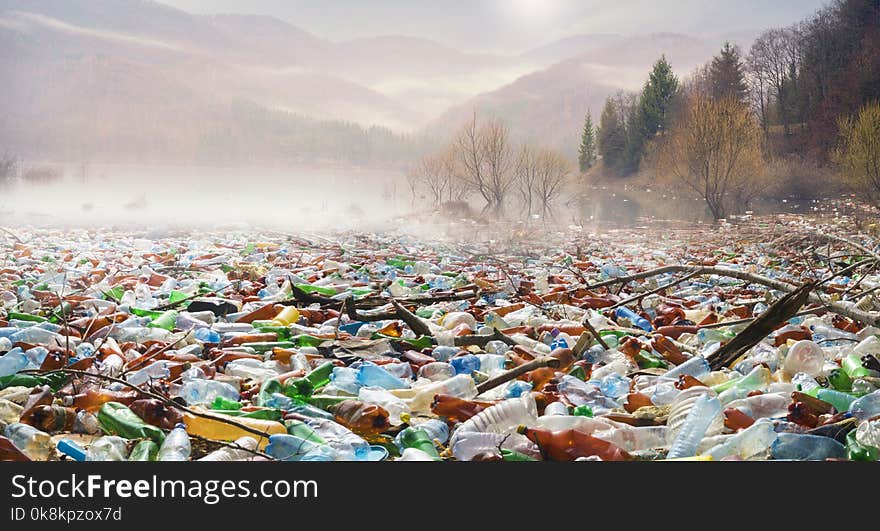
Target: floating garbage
[(662, 343)]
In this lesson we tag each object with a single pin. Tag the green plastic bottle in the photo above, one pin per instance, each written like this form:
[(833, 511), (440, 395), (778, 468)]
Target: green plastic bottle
[(513, 455), (582, 411), (419, 439), (302, 430), (852, 364), (282, 332), (856, 451), (167, 321), (838, 399), (145, 450), (840, 380), (25, 317), (55, 380), (221, 402), (647, 360), (117, 419), (305, 386)]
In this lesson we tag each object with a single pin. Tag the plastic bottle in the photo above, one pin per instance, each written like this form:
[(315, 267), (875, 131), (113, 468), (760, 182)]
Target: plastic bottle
[(394, 405), (234, 454), (372, 375), (693, 428), (634, 439), (804, 356), (13, 361), (456, 409), (866, 407), (805, 447), (287, 316), (459, 386), (212, 428), (568, 445), (315, 379), (205, 391), (749, 442), (436, 371), (145, 450), (419, 439), (503, 417), (840, 400), (176, 446), (286, 447), (361, 418), (107, 448), (154, 371), (9, 411), (681, 406), (345, 379), (466, 364), (117, 419), (767, 405), (32, 442), (206, 335), (696, 366), (636, 319)]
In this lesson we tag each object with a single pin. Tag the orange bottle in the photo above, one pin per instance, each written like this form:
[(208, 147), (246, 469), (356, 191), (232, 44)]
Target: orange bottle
[(568, 445), (668, 350), (456, 409), (361, 418), (92, 400)]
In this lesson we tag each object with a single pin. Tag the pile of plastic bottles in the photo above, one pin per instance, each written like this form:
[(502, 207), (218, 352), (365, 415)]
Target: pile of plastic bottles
[(242, 345)]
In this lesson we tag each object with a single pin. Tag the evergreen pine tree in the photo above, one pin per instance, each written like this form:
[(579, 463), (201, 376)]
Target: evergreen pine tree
[(727, 75), (587, 149), (612, 136)]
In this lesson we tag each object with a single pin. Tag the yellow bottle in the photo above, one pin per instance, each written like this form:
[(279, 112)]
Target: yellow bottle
[(221, 431), (286, 317)]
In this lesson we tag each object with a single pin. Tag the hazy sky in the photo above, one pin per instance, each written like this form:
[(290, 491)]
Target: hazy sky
[(512, 25)]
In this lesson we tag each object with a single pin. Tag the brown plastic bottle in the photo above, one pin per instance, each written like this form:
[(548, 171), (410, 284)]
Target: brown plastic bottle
[(9, 452), (92, 400), (674, 331), (154, 412), (50, 419), (456, 409), (668, 350), (568, 445), (264, 337), (39, 396), (735, 419), (361, 418)]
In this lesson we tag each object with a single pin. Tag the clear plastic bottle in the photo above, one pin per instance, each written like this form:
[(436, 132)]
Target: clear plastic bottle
[(701, 415), (767, 405), (436, 371), (697, 367), (381, 397), (234, 454), (804, 356), (805, 447), (155, 371), (13, 361), (34, 443), (866, 407), (459, 386), (372, 375), (10, 412), (681, 407), (346, 445), (750, 442), (205, 391), (108, 448), (286, 447), (176, 446), (503, 417)]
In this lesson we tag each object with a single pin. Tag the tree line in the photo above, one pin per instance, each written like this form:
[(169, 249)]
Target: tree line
[(805, 93)]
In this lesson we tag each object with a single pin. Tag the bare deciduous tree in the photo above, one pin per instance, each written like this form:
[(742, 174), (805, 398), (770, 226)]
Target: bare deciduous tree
[(715, 150), (773, 61), (484, 154)]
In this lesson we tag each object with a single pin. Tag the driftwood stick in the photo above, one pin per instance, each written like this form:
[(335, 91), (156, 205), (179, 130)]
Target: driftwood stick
[(412, 320), (481, 341), (545, 361), (779, 312), (589, 326)]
